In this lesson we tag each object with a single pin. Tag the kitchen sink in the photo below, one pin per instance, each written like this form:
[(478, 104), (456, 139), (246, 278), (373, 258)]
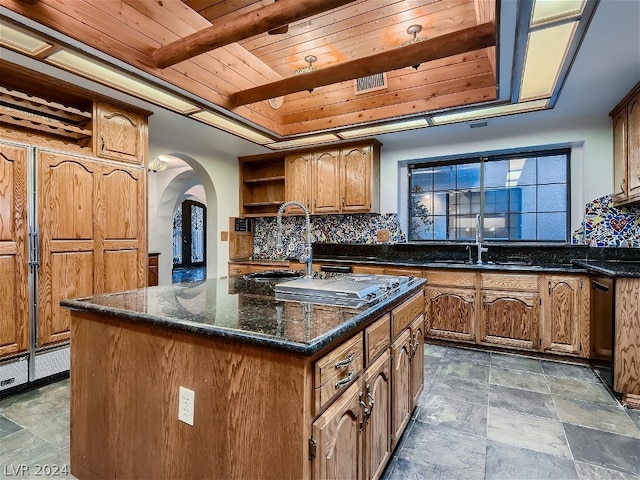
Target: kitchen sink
[(274, 275)]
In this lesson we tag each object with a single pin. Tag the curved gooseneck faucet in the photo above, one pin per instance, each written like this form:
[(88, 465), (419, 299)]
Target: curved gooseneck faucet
[(307, 258)]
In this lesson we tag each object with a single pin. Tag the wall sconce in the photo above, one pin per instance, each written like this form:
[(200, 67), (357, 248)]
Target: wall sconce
[(157, 165)]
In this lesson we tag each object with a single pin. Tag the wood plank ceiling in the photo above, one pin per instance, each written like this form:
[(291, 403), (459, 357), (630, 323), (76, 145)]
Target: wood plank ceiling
[(132, 30)]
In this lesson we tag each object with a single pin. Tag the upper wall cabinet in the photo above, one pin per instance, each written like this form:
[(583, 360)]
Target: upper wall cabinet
[(119, 134), (343, 178), (626, 149)]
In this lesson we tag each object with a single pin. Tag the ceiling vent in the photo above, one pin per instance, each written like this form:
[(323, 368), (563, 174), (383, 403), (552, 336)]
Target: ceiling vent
[(370, 83)]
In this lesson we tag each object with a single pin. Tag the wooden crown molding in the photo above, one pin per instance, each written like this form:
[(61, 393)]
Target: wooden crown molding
[(253, 23), (454, 43)]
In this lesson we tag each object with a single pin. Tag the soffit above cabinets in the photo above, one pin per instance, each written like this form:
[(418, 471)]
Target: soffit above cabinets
[(446, 72)]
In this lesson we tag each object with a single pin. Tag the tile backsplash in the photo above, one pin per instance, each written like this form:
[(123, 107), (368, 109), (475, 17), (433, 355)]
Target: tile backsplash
[(326, 229), (607, 226), (604, 226)]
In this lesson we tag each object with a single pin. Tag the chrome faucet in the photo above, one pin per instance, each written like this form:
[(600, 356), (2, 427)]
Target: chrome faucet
[(479, 239), (307, 258)]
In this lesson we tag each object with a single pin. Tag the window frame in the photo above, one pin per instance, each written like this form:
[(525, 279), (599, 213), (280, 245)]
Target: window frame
[(482, 159)]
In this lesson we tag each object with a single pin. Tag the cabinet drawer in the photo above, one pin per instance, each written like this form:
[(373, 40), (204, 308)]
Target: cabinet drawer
[(509, 281), (238, 270), (334, 372), (454, 279), (403, 315), (377, 338)]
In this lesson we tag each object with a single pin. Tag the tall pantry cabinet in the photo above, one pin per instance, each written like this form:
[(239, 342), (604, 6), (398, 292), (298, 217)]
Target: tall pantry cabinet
[(72, 223)]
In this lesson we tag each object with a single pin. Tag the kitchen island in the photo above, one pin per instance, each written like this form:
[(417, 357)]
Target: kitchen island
[(281, 389)]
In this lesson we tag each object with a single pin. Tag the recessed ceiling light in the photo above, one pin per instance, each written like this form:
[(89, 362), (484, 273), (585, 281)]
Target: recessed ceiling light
[(387, 128), (231, 126), (546, 51), (488, 112), (16, 38), (107, 75), (297, 142)]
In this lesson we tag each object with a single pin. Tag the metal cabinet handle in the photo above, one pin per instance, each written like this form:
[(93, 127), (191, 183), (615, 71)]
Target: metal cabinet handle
[(365, 412), (346, 361), (102, 142), (345, 380)]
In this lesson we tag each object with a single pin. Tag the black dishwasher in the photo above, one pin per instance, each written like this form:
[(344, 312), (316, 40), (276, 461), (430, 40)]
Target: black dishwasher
[(602, 327)]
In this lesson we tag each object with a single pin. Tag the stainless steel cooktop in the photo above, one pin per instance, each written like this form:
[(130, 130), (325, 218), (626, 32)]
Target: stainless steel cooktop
[(350, 289)]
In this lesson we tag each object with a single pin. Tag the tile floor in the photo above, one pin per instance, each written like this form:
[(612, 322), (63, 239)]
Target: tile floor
[(482, 415)]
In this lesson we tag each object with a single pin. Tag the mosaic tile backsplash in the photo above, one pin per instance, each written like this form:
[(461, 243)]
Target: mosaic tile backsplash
[(604, 226), (325, 229), (608, 226)]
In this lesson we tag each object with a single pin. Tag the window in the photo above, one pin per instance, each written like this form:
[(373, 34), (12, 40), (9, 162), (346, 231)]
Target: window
[(518, 197)]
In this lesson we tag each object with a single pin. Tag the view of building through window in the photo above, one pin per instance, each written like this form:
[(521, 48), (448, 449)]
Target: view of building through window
[(519, 198)]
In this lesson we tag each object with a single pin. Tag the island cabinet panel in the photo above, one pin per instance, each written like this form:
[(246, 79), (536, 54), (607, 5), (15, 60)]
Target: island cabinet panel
[(251, 406), (14, 315), (337, 370), (401, 375), (119, 134), (626, 376), (417, 358), (566, 310), (377, 417), (376, 338), (338, 438)]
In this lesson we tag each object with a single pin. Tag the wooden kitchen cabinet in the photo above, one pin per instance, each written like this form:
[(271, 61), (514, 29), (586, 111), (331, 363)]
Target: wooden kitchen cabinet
[(626, 149), (626, 370), (450, 305), (352, 435), (401, 377), (119, 134), (14, 301), (564, 328), (297, 173), (417, 358), (262, 184), (510, 314), (360, 178), (92, 234), (325, 182)]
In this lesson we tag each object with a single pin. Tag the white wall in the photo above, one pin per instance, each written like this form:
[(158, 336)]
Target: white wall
[(589, 138), (217, 171)]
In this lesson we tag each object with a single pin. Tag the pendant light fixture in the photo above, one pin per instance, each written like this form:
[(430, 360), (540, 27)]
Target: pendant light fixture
[(413, 30), (310, 59)]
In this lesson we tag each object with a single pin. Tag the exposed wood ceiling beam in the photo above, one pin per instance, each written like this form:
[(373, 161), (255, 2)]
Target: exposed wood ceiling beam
[(243, 26), (462, 41)]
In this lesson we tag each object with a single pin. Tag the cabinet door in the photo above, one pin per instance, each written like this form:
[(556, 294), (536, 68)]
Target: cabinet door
[(633, 148), (119, 135), (338, 436), (377, 389), (14, 301), (562, 324), (356, 179), (66, 217), (417, 359), (297, 173), (510, 319), (620, 156), (326, 182), (401, 380), (450, 313), (120, 224)]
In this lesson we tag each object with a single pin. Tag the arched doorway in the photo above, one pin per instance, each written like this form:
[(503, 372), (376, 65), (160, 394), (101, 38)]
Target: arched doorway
[(189, 240)]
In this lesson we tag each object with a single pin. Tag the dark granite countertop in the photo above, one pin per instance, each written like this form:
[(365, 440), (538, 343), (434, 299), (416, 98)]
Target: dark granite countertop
[(240, 310), (514, 266), (611, 268)]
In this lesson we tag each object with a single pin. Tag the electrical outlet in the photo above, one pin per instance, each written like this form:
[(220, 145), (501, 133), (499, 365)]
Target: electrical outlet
[(382, 236), (186, 400)]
